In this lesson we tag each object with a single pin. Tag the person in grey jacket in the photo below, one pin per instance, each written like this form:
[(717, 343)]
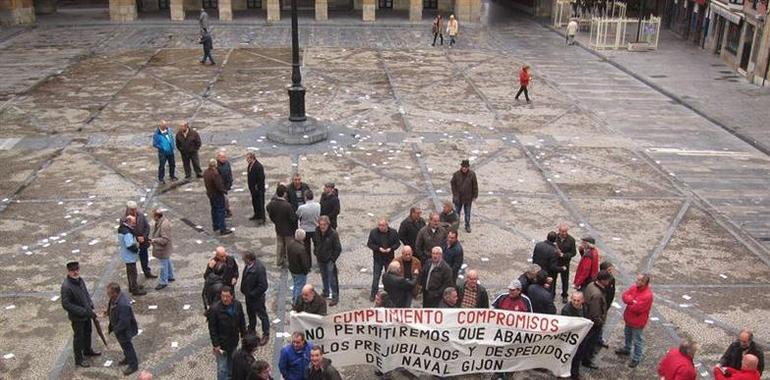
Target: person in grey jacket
[(307, 215), (162, 248), (203, 20), (80, 310), (123, 325)]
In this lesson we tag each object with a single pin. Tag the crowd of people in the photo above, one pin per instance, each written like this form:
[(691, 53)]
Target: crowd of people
[(422, 261)]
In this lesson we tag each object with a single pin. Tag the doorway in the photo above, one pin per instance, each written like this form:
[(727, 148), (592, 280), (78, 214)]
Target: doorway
[(210, 4), (748, 40), (254, 4), (385, 4), (430, 4), (720, 35)]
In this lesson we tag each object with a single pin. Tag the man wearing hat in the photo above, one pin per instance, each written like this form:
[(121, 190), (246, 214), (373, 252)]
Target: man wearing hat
[(80, 310), (142, 233), (514, 300), (465, 189), (588, 267)]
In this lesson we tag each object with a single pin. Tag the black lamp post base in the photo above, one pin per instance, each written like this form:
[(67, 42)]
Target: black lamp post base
[(305, 132)]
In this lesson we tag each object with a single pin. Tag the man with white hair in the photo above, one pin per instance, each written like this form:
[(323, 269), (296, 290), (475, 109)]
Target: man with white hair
[(224, 169), (436, 277), (299, 262), (142, 233), (471, 294), (398, 287)]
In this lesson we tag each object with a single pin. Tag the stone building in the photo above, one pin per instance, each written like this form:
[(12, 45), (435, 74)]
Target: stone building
[(739, 34)]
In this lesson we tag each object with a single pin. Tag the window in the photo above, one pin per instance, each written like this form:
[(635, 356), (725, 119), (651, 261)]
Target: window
[(733, 38)]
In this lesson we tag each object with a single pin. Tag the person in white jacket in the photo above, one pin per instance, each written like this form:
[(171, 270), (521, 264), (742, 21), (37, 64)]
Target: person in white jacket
[(572, 28), (452, 29)]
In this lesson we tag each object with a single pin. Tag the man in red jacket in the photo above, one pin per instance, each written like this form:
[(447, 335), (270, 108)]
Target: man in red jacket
[(588, 267), (748, 370), (677, 364), (638, 300)]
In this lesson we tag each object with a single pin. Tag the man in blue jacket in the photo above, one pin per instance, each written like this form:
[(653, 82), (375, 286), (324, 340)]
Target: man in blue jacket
[(123, 324), (163, 141), (295, 357)]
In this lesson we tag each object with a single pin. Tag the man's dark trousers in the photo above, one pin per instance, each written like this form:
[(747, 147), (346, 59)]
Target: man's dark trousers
[(129, 353), (258, 203), (144, 260), (81, 341), (218, 212), (256, 308), (187, 159)]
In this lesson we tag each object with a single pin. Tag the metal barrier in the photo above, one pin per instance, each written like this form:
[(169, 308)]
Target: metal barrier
[(613, 34)]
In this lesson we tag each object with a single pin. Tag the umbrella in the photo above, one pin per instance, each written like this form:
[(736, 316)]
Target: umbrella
[(99, 331)]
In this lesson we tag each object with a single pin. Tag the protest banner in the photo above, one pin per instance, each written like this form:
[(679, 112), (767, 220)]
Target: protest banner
[(446, 342)]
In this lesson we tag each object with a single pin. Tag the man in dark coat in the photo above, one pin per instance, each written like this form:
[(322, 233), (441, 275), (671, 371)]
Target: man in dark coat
[(465, 190), (227, 325), (253, 286), (733, 356), (547, 256), (448, 299), (330, 204), (221, 271), (575, 308), (80, 310), (299, 263), (410, 226), (596, 311), (449, 216), (540, 296), (398, 287), (453, 253), (188, 142), (296, 191), (327, 247), (320, 367), (471, 295), (226, 171), (310, 302), (568, 248), (208, 46), (142, 233), (243, 358), (123, 324), (528, 277), (256, 182), (282, 215), (215, 190), (432, 235), (435, 277), (383, 241)]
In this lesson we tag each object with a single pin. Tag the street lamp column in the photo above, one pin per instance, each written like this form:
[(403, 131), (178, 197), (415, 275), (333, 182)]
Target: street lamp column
[(296, 91)]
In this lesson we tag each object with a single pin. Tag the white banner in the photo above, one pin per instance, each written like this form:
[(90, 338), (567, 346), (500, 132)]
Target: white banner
[(446, 342)]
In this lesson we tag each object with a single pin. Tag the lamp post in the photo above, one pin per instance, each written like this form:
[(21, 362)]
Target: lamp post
[(296, 91)]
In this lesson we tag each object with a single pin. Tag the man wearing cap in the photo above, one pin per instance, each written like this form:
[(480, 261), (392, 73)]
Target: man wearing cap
[(215, 190), (465, 189), (588, 267), (514, 300), (80, 310), (142, 233)]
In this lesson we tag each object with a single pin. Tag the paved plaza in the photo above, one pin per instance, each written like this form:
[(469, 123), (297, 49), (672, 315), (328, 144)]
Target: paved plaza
[(662, 188)]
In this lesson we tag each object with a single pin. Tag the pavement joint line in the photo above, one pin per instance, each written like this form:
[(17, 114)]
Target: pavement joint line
[(378, 171), (676, 98), (30, 178), (672, 228), (636, 180), (181, 353), (504, 226), (712, 286)]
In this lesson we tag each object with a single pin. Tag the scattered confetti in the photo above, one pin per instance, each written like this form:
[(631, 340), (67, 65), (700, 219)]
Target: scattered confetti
[(186, 307), (708, 321), (9, 355), (363, 270), (722, 275), (686, 297), (174, 344), (277, 320), (108, 363), (616, 305), (485, 259), (10, 307), (152, 307), (55, 298), (654, 319)]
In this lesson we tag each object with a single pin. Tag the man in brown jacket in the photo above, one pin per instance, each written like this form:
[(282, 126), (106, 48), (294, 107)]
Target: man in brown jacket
[(411, 267), (432, 235), (465, 189), (436, 277), (596, 311), (310, 302), (188, 142), (215, 189), (162, 248)]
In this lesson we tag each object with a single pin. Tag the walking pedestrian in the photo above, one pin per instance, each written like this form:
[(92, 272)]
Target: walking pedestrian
[(253, 286), (568, 248), (296, 191), (465, 190), (142, 234), (471, 294), (282, 215), (678, 362), (243, 358), (452, 30), (453, 253), (163, 141), (320, 367), (330, 204), (208, 46), (638, 300), (524, 78), (436, 277), (299, 263), (162, 247), (327, 247), (256, 182), (383, 241), (225, 170), (437, 29), (128, 248), (226, 327), (295, 357), (572, 28), (76, 300), (308, 214), (310, 302), (123, 325), (188, 142), (215, 190), (410, 226)]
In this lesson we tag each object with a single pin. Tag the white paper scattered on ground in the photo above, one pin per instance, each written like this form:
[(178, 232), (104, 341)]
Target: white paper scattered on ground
[(370, 214), (277, 320), (139, 332), (186, 307), (108, 363), (55, 298), (616, 305), (152, 307), (463, 266), (174, 344), (722, 275), (28, 253), (654, 319), (485, 259), (616, 238), (363, 270), (708, 321), (684, 305), (46, 245), (9, 355), (686, 297), (10, 307), (93, 242), (199, 241)]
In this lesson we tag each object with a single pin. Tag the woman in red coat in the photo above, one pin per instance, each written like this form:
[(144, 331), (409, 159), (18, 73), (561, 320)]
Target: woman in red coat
[(524, 78)]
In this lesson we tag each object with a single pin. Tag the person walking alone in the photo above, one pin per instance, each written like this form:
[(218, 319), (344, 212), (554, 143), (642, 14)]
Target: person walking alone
[(465, 190), (208, 46), (524, 78), (452, 29), (256, 182), (437, 30), (123, 324)]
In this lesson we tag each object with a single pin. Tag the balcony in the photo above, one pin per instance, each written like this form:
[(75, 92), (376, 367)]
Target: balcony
[(735, 5)]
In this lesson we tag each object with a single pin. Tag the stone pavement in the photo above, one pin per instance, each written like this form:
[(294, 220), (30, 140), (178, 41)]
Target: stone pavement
[(78, 109)]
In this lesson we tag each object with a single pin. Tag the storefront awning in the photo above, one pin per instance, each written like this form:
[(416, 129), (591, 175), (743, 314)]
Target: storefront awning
[(722, 10)]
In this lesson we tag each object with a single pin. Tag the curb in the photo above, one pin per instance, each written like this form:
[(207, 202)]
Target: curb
[(747, 139)]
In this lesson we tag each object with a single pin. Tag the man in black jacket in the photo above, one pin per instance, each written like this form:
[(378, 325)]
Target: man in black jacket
[(453, 253), (330, 204), (226, 171), (547, 256), (208, 46), (299, 263), (243, 358), (326, 244), (142, 233), (226, 327), (733, 356), (471, 294), (383, 241), (410, 226), (256, 181), (221, 271), (80, 310), (282, 215), (188, 142), (253, 286), (568, 248), (435, 277), (123, 324), (398, 287), (296, 191), (540, 296)]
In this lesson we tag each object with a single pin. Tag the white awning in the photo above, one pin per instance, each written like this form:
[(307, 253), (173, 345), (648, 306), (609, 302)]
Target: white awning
[(722, 10)]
